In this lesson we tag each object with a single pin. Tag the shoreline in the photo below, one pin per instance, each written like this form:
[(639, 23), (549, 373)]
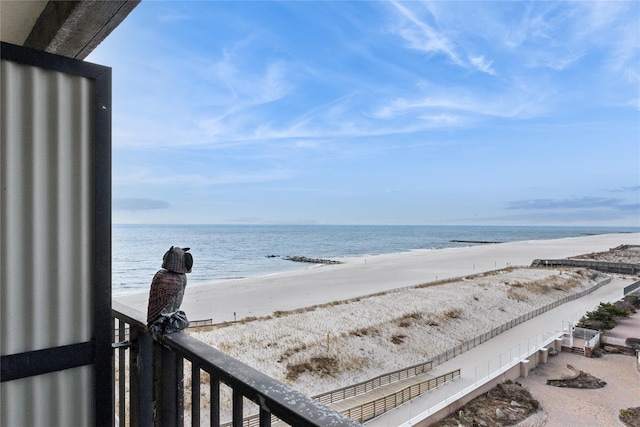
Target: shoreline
[(231, 299), (346, 342), (240, 252)]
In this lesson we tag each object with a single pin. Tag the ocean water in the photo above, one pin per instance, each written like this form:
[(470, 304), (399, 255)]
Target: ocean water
[(237, 251)]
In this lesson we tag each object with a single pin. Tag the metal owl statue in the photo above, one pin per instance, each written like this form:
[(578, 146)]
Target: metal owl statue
[(167, 290)]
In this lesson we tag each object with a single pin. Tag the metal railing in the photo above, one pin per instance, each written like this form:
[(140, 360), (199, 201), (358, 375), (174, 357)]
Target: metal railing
[(607, 267), (469, 344), (632, 287), (451, 394), (374, 408), (359, 389), (192, 325), (379, 381), (151, 383), (366, 411)]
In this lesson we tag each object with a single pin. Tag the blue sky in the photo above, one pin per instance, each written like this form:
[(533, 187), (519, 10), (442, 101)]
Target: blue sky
[(382, 112)]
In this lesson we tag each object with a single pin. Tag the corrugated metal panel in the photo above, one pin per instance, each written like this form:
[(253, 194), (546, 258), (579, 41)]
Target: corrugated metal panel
[(46, 245), (55, 399)]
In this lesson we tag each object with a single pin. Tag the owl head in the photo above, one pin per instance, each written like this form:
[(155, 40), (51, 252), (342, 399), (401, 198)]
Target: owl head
[(177, 260)]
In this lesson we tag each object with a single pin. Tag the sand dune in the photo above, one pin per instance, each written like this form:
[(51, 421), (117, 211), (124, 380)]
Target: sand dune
[(337, 345)]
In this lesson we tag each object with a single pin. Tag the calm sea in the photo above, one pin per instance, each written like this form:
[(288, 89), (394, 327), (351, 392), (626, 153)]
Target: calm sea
[(236, 251)]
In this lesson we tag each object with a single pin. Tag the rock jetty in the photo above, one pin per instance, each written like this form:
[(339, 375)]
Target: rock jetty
[(311, 260)]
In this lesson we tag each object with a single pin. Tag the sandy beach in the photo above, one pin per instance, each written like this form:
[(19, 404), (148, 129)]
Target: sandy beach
[(439, 299), (229, 300)]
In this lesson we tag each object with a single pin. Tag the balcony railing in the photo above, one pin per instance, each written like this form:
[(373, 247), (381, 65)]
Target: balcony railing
[(152, 389)]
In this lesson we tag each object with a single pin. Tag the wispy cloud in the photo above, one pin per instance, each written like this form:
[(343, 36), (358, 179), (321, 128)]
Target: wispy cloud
[(559, 35), (557, 217), (575, 203), (558, 62), (422, 36), (176, 180), (138, 204), (442, 120), (482, 64), (236, 96), (214, 94), (173, 16), (421, 32), (227, 98), (514, 105), (633, 189)]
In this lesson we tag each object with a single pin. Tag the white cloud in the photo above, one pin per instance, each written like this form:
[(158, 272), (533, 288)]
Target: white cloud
[(504, 105), (442, 37), (624, 55), (421, 36), (393, 89), (174, 180), (173, 16), (138, 204), (634, 103), (559, 62), (442, 120), (556, 35), (482, 64), (201, 102)]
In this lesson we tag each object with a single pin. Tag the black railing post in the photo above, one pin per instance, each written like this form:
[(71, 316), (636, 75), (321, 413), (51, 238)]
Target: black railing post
[(237, 411), (122, 395), (168, 387), (157, 385), (195, 395), (179, 379), (265, 418), (113, 363), (141, 379)]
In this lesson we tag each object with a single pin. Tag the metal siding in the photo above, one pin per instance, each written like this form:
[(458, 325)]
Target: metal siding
[(46, 211), (56, 399)]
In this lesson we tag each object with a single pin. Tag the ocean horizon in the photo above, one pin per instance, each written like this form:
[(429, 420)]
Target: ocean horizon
[(239, 251)]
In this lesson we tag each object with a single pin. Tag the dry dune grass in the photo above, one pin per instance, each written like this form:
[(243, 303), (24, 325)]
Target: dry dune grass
[(326, 347), (629, 255)]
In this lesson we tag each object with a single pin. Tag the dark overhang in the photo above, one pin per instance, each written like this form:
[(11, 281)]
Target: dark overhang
[(68, 28)]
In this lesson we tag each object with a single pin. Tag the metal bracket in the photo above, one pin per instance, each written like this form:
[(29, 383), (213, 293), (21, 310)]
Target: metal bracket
[(122, 344)]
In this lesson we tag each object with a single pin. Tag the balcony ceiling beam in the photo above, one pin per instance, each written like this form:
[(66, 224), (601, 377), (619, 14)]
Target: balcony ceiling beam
[(75, 28)]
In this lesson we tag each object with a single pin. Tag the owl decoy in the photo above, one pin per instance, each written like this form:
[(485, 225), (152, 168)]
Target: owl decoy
[(167, 290)]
